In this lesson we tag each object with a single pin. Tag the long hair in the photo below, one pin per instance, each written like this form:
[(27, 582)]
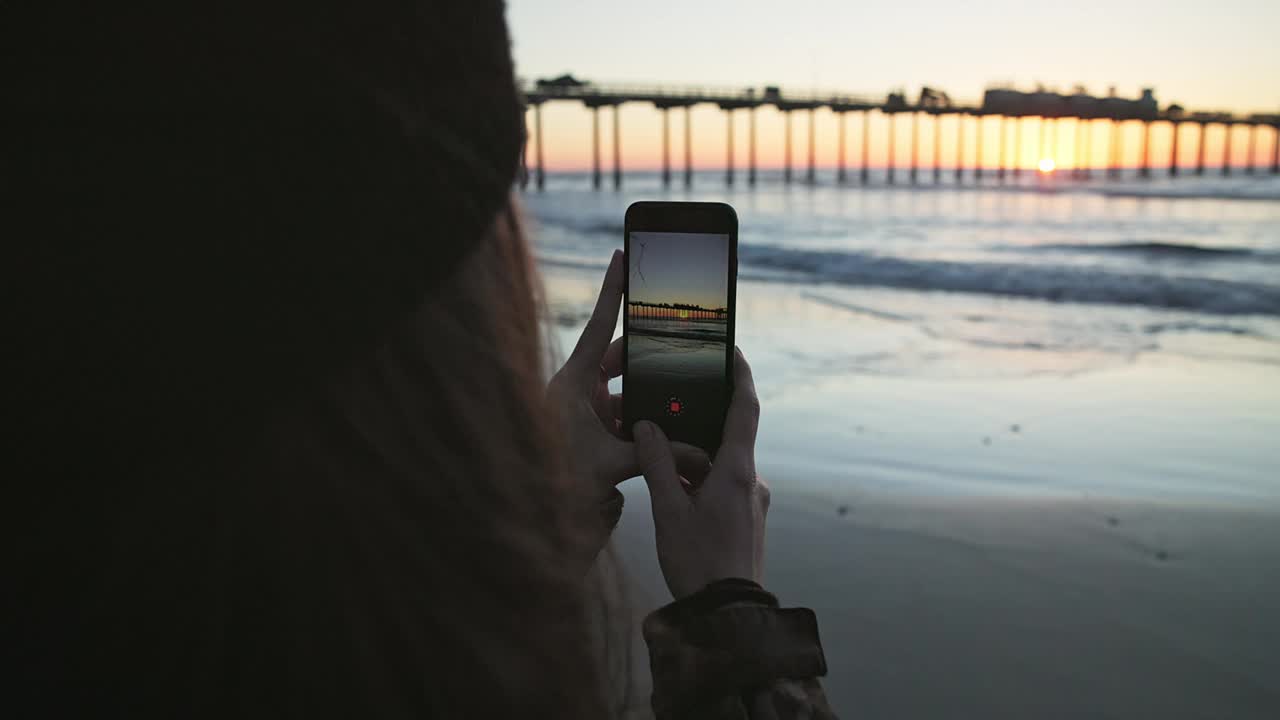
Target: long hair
[(390, 542), (283, 444), (423, 500)]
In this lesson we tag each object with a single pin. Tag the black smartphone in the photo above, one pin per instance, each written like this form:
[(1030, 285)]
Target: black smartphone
[(682, 280)]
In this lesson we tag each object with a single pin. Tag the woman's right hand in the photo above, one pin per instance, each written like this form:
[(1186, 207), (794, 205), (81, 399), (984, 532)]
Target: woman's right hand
[(716, 531)]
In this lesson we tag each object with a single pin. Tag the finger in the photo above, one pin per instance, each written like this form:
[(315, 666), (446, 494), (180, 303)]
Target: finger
[(602, 405), (692, 463), (612, 362), (595, 338), (617, 460), (615, 405), (653, 453), (743, 418)]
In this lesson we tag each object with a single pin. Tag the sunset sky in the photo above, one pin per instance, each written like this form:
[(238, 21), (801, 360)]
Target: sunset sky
[(679, 268), (1222, 55)]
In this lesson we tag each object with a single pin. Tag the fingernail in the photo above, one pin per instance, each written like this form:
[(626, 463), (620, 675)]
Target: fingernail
[(642, 430)]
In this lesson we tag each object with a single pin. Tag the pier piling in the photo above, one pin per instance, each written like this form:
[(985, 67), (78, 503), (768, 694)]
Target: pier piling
[(1253, 148), (666, 147), (538, 135), (863, 172), (537, 130), (1173, 149), (1145, 169), (1116, 155), (1040, 149), (1086, 170), (977, 159), (813, 155), (1052, 152), (937, 149), (1200, 150), (1017, 146), (915, 146), (840, 167), (1079, 151), (728, 160), (751, 147), (1226, 150), (786, 168), (688, 147), (617, 148), (1004, 149), (892, 148), (595, 147)]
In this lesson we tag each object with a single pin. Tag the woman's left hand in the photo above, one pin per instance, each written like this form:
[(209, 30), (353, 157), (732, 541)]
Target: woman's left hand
[(599, 455)]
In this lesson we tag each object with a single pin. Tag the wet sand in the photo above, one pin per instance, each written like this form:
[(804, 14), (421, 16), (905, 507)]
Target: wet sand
[(1018, 609)]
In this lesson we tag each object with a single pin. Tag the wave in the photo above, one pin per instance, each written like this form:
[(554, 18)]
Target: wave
[(585, 225), (1260, 193), (1052, 283), (1192, 326), (1042, 282), (1152, 249)]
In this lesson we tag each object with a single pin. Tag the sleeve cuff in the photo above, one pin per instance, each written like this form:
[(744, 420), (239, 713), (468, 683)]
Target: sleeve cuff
[(724, 639)]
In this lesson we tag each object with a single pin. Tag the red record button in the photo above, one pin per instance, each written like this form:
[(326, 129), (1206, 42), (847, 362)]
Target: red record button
[(674, 406)]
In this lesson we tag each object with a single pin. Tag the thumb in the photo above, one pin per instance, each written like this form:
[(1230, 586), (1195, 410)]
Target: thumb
[(653, 454)]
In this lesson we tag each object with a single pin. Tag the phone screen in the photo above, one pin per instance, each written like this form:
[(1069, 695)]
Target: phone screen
[(679, 329)]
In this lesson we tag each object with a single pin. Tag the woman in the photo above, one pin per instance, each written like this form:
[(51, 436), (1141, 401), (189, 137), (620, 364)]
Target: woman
[(286, 449)]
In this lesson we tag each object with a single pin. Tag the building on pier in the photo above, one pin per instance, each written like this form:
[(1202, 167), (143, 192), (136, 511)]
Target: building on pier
[(1042, 103)]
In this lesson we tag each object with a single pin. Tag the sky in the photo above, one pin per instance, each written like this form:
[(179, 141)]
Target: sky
[(679, 268), (1223, 55)]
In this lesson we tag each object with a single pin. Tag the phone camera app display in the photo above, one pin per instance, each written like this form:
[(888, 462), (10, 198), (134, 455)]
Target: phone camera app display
[(677, 331)]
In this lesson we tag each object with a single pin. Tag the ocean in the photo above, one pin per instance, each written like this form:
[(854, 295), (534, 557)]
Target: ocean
[(1046, 335)]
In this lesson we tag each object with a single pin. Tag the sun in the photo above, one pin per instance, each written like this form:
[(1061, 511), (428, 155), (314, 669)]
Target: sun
[(1047, 165)]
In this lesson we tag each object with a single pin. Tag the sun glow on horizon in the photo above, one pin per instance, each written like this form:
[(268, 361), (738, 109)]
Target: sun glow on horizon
[(1047, 165)]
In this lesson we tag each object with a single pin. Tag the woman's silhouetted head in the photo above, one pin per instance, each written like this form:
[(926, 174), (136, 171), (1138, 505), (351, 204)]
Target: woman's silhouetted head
[(285, 450)]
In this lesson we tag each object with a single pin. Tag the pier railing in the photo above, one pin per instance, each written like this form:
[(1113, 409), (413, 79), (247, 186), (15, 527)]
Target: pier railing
[(609, 94)]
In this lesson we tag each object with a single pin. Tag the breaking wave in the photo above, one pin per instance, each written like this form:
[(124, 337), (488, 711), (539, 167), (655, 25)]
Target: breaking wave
[(1055, 283)]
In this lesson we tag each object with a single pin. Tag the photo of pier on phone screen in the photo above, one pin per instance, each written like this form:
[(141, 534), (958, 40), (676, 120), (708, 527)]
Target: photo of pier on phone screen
[(679, 327)]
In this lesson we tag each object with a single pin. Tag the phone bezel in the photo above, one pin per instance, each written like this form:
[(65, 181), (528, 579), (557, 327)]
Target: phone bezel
[(680, 217)]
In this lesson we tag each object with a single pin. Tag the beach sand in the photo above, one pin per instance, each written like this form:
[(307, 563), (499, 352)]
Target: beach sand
[(1018, 609)]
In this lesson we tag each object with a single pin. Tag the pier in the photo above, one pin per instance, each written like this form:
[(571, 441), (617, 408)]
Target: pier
[(1001, 106), (677, 311)]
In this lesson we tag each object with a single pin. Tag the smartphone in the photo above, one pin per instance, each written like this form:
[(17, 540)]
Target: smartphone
[(678, 324)]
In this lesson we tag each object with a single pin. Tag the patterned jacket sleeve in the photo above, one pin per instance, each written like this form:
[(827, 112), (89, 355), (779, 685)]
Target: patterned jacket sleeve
[(729, 652)]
